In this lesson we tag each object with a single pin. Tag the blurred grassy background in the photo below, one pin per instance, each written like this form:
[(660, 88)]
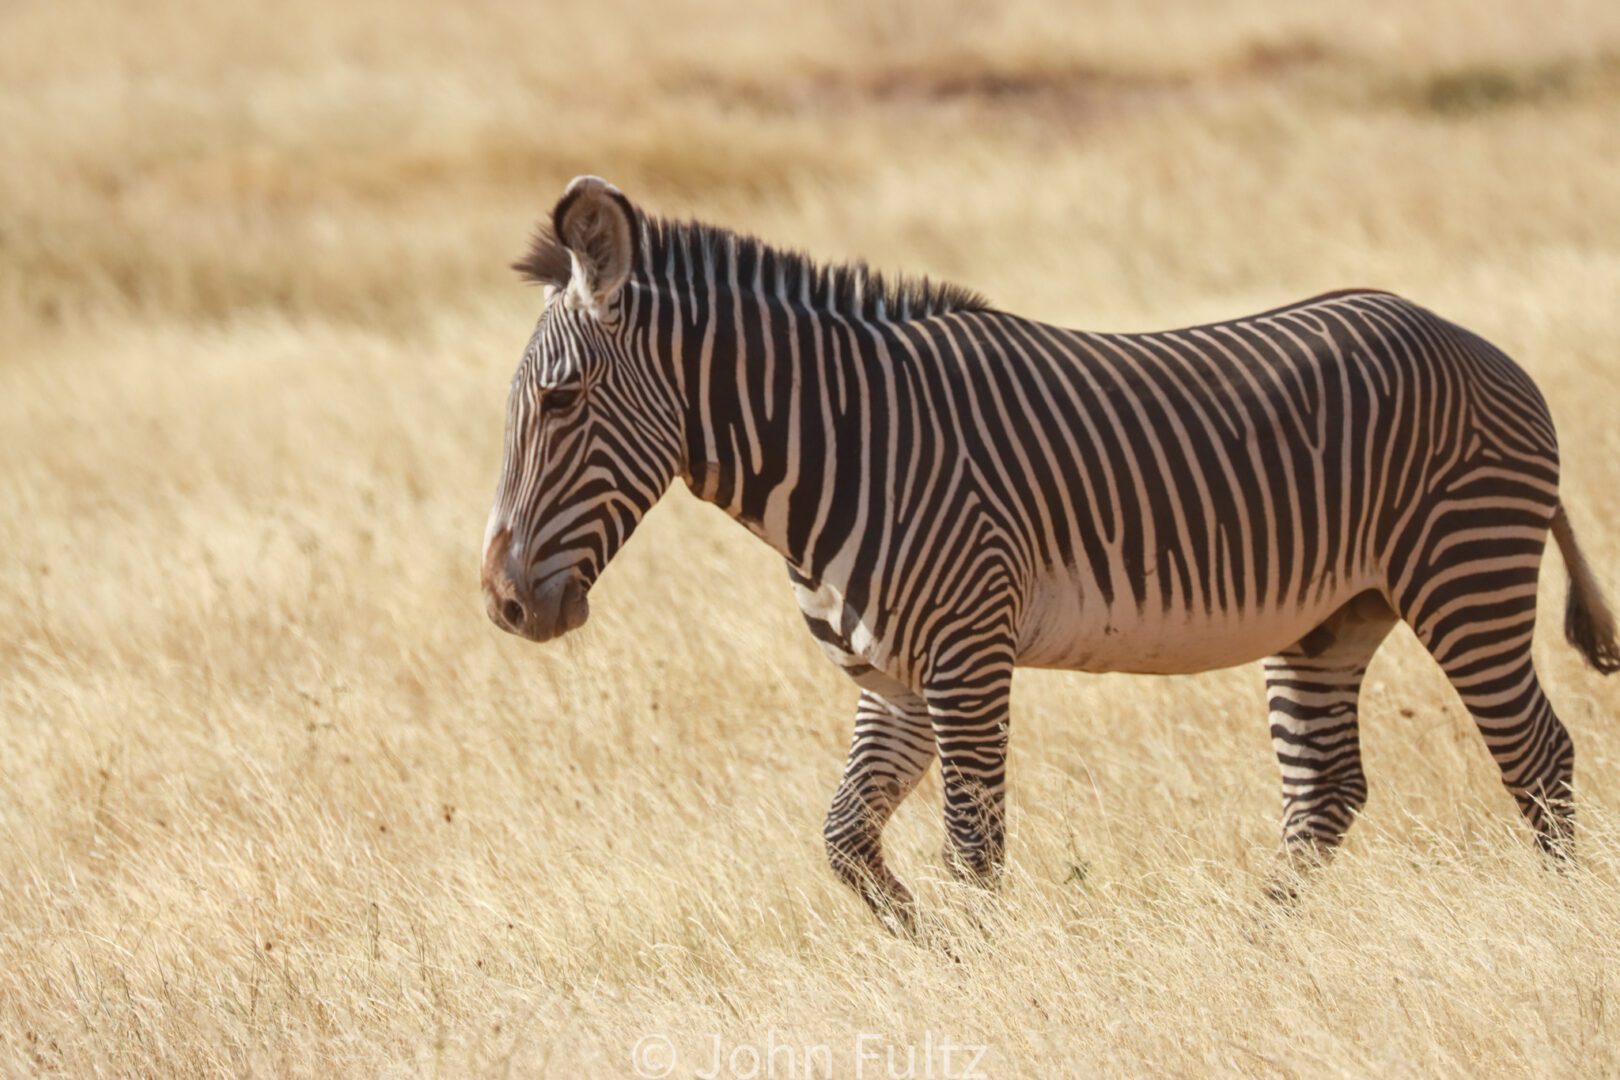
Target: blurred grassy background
[(277, 799)]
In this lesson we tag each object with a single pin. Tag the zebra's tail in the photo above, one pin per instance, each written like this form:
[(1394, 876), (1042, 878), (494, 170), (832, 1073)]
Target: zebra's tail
[(1588, 622)]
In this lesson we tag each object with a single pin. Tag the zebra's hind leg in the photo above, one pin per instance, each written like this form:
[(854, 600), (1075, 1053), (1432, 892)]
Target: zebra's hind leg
[(1312, 691), (892, 748), (1479, 629)]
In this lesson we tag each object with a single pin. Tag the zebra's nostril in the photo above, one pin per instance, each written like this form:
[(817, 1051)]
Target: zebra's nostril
[(513, 612)]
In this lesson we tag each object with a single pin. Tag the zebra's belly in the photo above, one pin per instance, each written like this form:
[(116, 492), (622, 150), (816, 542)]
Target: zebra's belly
[(1067, 625)]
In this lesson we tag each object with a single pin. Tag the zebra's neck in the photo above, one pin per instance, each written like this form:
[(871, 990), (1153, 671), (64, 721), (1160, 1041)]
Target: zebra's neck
[(778, 422), (771, 354), (771, 417)]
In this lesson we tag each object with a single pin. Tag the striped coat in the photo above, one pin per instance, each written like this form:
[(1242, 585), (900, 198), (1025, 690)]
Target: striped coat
[(958, 491)]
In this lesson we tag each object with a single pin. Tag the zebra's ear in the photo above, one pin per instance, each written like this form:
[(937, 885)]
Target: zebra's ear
[(597, 225)]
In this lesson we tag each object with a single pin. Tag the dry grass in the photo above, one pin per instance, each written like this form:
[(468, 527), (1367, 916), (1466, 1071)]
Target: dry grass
[(276, 799)]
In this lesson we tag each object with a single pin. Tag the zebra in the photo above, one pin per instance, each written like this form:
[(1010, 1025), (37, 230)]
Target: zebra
[(958, 491)]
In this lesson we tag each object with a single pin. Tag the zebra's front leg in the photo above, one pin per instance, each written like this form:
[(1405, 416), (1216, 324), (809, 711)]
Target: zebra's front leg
[(970, 736), (892, 748)]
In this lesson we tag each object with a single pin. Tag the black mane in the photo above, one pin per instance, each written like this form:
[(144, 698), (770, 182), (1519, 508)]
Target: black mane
[(689, 252)]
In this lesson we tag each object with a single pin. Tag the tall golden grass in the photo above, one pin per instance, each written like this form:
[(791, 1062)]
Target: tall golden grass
[(275, 798)]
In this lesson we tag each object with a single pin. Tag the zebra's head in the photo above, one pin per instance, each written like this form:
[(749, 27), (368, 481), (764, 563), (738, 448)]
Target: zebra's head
[(592, 427)]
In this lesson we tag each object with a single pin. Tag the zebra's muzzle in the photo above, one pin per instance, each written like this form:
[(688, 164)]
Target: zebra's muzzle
[(548, 609)]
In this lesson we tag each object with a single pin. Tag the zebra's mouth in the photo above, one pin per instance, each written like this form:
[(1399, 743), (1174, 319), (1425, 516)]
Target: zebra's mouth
[(551, 607)]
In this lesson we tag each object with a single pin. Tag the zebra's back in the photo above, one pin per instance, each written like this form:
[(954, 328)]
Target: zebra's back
[(1198, 498)]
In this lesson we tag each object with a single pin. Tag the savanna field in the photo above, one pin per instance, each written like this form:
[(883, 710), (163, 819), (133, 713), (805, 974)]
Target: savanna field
[(276, 799)]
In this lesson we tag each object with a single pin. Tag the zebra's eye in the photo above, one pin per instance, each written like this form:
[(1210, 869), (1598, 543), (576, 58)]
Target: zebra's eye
[(559, 399)]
